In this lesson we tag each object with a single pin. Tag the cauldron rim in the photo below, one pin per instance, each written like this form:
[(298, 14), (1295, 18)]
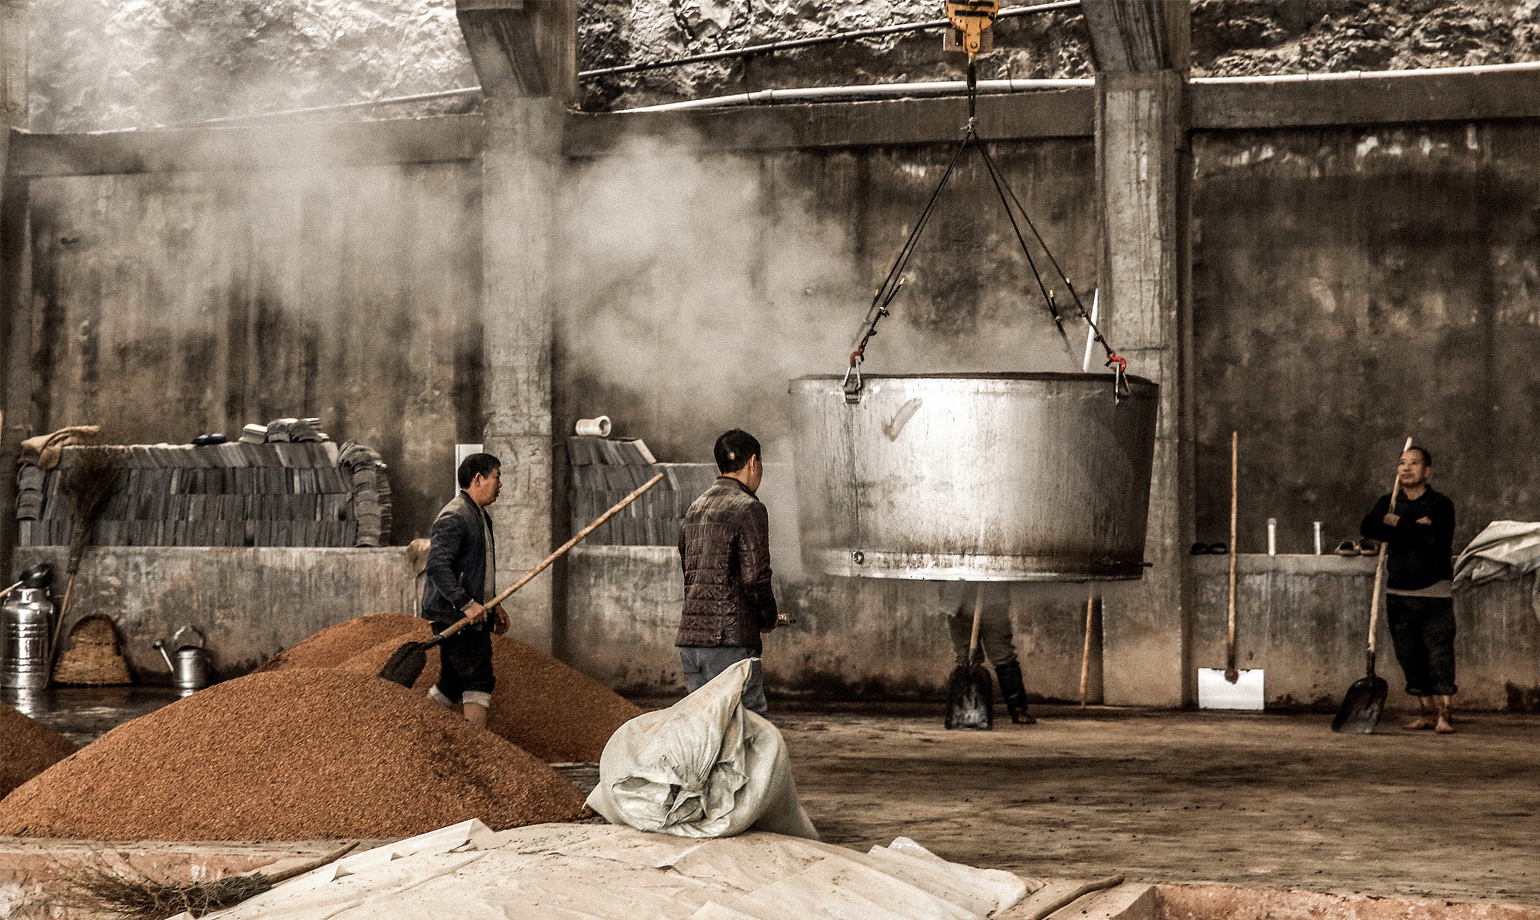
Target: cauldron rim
[(987, 375)]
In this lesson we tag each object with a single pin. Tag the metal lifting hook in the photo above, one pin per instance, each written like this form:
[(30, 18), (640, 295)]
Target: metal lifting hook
[(1119, 365)]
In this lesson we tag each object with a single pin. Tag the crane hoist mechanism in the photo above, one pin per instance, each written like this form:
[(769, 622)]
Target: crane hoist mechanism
[(971, 23)]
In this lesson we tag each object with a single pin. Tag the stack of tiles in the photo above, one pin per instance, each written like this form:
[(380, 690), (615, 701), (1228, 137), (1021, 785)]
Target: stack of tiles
[(371, 492), (606, 470), (278, 493)]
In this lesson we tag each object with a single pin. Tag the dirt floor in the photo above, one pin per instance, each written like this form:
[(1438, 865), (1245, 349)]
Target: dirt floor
[(1262, 801), (1268, 801)]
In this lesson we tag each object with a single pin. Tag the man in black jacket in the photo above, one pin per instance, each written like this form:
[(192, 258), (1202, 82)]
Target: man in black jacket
[(461, 574), (1419, 537), (724, 546)]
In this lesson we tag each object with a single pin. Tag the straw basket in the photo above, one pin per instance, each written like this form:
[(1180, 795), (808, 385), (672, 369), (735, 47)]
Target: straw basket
[(92, 659)]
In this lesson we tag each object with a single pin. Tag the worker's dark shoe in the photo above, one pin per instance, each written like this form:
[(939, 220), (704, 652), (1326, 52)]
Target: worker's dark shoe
[(1014, 691), (1347, 548)]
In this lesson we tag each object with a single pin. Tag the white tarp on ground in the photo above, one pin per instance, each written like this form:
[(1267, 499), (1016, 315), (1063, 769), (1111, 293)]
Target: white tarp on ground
[(606, 872), (1503, 549), (704, 767)]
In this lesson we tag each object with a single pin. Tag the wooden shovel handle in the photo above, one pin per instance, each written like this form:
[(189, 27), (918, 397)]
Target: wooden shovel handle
[(1379, 566), (560, 551), (1231, 673), (978, 617)]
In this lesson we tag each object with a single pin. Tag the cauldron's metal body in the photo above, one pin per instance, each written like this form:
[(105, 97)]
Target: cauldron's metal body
[(985, 477)]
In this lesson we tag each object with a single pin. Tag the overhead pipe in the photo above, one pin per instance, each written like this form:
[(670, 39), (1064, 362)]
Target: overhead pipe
[(880, 90), (1349, 75), (863, 91)]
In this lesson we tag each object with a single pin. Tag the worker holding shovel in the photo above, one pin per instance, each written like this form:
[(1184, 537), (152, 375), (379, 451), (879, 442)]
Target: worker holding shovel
[(460, 574), (1418, 536), (959, 601)]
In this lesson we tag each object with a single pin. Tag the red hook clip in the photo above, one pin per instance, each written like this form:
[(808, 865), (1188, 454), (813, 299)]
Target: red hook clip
[(1114, 358)]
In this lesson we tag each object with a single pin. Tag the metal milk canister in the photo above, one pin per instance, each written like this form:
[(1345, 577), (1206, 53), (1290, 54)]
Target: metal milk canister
[(26, 624)]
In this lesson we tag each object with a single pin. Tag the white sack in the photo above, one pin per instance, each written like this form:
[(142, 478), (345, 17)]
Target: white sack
[(705, 767), (1503, 549)]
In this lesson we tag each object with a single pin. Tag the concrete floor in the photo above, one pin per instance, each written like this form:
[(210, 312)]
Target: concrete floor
[(1262, 801), (1268, 801), (83, 714)]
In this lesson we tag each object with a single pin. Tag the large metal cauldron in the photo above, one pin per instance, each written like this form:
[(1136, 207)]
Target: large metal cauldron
[(986, 477)]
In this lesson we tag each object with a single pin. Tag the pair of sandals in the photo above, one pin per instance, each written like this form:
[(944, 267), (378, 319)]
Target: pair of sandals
[(1358, 548), (1209, 549)]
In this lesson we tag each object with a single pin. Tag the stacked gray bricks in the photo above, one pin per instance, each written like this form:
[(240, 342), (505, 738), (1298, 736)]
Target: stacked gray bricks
[(276, 493), (606, 470)]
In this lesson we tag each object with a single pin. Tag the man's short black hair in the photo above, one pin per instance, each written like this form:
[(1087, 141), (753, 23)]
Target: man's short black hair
[(1427, 458), (733, 450), (476, 465)]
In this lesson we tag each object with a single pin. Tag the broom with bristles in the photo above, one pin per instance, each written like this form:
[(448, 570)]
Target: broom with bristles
[(89, 481), (134, 896)]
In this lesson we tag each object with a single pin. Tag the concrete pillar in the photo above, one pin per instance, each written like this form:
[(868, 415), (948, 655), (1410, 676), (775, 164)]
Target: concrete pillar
[(13, 63), (525, 53), (1143, 178), (15, 396)]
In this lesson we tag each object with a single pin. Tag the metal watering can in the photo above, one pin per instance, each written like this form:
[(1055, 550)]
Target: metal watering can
[(190, 667)]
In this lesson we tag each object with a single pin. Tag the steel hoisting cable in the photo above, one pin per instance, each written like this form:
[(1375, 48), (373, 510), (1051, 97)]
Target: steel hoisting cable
[(1008, 200), (1000, 188), (1115, 361), (894, 280)]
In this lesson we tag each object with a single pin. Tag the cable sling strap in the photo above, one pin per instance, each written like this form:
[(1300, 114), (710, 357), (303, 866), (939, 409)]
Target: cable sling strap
[(888, 290)]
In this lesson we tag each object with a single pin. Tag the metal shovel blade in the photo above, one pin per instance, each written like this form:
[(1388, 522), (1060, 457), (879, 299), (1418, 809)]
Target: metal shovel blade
[(1362, 706), (406, 664), (1217, 691), (970, 699)]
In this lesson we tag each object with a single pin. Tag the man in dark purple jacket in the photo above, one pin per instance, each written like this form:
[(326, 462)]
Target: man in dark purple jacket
[(724, 546)]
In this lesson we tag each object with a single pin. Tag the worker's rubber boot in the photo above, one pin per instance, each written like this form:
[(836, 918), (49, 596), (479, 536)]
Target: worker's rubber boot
[(1014, 691)]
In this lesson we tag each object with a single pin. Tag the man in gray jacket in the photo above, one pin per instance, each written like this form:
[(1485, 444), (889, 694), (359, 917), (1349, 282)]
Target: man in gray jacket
[(461, 575), (724, 546)]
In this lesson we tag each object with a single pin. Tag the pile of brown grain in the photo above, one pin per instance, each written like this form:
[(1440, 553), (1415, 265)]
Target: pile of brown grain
[(336, 644), (27, 748), (545, 707), (298, 754)]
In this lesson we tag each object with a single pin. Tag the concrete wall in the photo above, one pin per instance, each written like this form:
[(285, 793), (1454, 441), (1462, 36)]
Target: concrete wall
[(852, 637), (1304, 620), (162, 305), (1350, 284), (1353, 286), (1301, 619), (249, 604)]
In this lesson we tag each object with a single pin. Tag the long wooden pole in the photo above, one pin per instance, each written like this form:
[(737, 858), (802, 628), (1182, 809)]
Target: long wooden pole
[(576, 538), (1232, 674), (557, 554), (1379, 565), (1085, 653)]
